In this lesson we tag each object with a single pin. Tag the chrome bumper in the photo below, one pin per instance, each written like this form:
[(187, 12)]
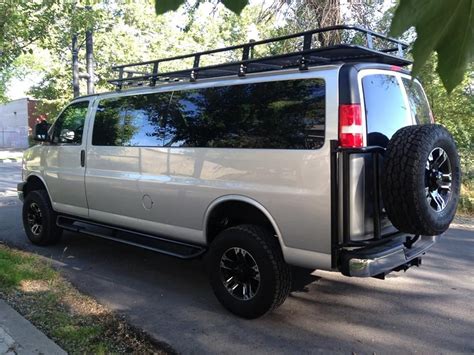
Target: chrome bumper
[(381, 259)]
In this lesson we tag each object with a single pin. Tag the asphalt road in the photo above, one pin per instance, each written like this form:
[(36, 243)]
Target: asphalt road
[(425, 310)]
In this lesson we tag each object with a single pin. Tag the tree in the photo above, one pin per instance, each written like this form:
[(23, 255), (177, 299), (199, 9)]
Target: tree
[(446, 28), (131, 32), (23, 23), (453, 111), (163, 6)]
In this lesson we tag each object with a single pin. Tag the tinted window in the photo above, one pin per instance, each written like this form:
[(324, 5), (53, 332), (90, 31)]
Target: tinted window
[(69, 126), (419, 107), (385, 108), (284, 114), (131, 121)]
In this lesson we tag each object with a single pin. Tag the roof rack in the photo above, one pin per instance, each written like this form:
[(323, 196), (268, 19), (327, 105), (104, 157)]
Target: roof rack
[(361, 47)]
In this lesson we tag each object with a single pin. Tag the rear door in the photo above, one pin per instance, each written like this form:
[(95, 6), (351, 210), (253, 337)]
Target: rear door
[(385, 110), (390, 100)]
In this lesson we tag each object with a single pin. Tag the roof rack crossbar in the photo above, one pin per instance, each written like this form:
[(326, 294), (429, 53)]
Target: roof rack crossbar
[(307, 54)]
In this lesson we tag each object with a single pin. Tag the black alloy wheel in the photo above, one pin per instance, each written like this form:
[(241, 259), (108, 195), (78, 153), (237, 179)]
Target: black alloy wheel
[(39, 219), (240, 274), (35, 219), (438, 179)]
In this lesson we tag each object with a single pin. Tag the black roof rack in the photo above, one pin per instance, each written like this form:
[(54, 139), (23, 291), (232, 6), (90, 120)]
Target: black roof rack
[(355, 44)]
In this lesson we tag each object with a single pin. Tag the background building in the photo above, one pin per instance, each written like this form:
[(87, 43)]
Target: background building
[(17, 119)]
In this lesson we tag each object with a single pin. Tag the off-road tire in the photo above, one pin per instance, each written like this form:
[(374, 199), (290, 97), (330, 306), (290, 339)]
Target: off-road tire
[(275, 274), (404, 179), (50, 233)]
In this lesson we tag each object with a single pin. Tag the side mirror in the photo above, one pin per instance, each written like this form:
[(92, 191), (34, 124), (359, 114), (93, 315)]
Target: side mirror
[(40, 132)]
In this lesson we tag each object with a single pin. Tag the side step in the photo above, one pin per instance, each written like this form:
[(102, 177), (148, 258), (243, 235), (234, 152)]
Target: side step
[(147, 241)]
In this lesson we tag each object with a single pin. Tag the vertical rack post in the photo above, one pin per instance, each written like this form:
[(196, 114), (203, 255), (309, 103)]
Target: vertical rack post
[(245, 57), (154, 75), (197, 59), (346, 200), (400, 50), (119, 86), (370, 42), (376, 171), (334, 202), (307, 39)]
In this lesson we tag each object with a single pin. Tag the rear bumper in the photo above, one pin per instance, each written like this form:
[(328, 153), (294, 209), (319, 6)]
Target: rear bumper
[(381, 259), (19, 188)]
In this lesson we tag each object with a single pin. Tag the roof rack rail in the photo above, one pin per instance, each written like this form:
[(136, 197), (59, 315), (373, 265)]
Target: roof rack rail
[(361, 47)]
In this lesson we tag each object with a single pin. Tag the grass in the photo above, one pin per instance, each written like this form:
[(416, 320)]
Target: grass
[(76, 322), (466, 200)]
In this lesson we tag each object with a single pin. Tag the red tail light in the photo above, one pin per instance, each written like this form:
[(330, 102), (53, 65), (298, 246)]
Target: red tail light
[(351, 131)]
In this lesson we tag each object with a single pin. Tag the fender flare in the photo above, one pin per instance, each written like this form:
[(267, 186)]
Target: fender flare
[(245, 199)]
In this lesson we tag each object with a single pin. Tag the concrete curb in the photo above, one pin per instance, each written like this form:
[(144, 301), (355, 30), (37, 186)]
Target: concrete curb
[(19, 336)]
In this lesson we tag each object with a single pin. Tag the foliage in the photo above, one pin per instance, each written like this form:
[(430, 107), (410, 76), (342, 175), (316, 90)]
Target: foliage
[(455, 111), (130, 32), (22, 23), (162, 6), (447, 28)]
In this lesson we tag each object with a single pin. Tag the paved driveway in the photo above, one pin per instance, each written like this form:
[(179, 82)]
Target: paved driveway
[(426, 310)]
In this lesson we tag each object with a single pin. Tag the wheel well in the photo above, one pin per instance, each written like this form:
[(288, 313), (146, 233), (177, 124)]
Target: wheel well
[(232, 213), (33, 183)]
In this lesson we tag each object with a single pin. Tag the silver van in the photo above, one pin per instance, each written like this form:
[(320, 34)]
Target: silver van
[(320, 158)]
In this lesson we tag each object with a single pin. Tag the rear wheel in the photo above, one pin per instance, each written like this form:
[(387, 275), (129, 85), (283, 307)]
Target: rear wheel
[(247, 271), (39, 219)]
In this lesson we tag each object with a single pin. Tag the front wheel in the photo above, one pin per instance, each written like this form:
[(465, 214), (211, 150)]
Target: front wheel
[(39, 219), (247, 271)]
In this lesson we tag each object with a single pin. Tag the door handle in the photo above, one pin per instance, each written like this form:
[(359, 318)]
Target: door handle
[(83, 157)]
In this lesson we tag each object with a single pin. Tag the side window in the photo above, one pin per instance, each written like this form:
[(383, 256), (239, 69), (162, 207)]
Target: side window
[(132, 121), (272, 115), (108, 122), (69, 126), (420, 110), (385, 108)]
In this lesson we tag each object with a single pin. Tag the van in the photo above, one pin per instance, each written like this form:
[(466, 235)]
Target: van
[(326, 157)]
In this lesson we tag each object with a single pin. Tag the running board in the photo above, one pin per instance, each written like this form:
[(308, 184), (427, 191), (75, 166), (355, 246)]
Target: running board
[(147, 241)]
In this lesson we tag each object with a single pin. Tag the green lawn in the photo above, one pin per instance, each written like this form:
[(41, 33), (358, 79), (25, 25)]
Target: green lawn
[(74, 321)]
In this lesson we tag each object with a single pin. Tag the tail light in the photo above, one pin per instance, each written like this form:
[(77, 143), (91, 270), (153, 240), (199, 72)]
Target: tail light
[(351, 131)]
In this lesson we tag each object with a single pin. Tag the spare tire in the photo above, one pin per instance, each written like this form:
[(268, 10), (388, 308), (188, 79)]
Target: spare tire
[(421, 179)]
